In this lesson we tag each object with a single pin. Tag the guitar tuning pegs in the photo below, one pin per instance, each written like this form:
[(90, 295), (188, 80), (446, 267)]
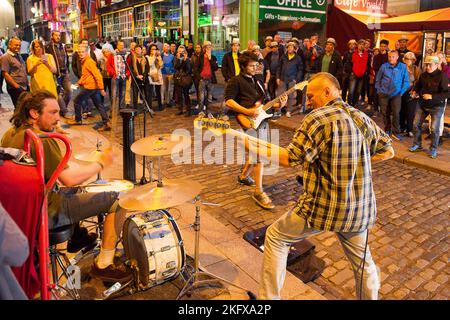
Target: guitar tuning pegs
[(225, 118), (210, 116), (201, 115)]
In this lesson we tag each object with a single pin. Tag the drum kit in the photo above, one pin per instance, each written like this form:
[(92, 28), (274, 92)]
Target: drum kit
[(151, 238)]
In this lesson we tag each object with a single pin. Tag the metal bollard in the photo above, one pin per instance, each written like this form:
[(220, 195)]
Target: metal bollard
[(129, 158)]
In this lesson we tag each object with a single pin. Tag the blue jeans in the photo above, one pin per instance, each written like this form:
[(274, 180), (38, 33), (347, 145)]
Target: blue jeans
[(85, 94), (284, 86), (354, 89), (291, 228), (64, 83), (436, 118), (120, 91), (205, 87)]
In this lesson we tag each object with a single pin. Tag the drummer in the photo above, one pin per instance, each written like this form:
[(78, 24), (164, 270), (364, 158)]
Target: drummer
[(39, 111)]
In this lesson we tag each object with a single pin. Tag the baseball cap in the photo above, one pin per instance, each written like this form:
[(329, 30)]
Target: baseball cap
[(431, 59), (331, 40)]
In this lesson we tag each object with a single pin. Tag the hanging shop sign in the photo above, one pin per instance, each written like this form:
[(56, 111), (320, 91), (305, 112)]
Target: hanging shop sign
[(365, 7), (312, 11)]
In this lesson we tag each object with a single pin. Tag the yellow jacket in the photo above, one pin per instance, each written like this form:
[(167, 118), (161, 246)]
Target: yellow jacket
[(91, 78)]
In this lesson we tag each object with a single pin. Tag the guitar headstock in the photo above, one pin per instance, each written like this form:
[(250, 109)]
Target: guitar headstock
[(301, 85), (218, 126)]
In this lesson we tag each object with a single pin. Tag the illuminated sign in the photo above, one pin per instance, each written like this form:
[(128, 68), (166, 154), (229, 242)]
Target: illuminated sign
[(312, 11)]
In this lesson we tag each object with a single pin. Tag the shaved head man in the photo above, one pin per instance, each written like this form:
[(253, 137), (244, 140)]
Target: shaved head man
[(322, 89), (334, 147)]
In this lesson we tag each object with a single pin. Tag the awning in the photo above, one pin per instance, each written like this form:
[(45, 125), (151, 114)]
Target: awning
[(438, 19), (343, 27)]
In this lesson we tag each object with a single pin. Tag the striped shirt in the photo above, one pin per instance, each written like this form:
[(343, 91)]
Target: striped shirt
[(335, 151)]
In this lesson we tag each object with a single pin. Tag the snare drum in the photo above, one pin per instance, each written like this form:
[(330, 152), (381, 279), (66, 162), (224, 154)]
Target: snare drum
[(108, 185), (153, 240)]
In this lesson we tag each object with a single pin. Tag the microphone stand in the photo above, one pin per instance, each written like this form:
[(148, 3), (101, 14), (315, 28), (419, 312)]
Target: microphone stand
[(150, 111)]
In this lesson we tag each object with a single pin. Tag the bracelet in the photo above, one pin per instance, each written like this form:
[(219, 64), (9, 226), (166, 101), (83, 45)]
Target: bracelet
[(101, 165)]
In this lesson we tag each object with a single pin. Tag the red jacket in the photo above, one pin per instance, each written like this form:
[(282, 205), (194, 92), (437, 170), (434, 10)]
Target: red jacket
[(111, 67), (360, 63)]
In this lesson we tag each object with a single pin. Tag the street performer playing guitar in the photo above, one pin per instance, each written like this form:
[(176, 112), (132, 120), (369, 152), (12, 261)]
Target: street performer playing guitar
[(243, 95)]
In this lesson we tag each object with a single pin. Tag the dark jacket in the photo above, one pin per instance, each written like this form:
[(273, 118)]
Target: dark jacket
[(336, 68), (347, 63), (59, 53), (214, 66), (195, 64), (273, 69), (436, 84), (228, 70), (311, 61), (290, 69), (182, 69), (379, 60)]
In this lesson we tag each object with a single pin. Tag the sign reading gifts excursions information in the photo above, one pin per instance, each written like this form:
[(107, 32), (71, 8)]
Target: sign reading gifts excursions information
[(312, 11)]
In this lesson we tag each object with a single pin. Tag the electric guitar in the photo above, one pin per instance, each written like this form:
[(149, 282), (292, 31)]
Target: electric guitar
[(248, 122)]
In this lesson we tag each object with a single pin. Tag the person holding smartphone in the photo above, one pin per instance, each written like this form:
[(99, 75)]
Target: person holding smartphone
[(42, 68), (183, 80)]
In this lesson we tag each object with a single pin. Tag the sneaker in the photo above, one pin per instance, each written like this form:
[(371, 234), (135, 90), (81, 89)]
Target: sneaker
[(111, 273), (74, 122), (288, 114), (248, 181), (105, 127), (433, 154), (415, 148), (263, 200), (396, 136)]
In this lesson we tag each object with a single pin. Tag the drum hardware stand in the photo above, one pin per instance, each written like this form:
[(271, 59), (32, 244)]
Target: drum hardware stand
[(193, 282), (117, 289), (99, 174), (146, 109)]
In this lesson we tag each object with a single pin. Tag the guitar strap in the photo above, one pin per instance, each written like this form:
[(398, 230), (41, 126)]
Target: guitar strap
[(265, 97)]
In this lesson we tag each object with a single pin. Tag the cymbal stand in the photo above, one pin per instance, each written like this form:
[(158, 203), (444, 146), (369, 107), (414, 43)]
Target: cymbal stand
[(99, 174), (194, 281)]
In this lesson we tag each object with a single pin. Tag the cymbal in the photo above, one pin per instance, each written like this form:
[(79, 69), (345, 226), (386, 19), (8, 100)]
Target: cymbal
[(157, 145), (152, 197), (92, 156)]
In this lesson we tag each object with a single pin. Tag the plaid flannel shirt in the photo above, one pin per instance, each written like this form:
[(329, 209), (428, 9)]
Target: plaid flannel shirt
[(334, 144)]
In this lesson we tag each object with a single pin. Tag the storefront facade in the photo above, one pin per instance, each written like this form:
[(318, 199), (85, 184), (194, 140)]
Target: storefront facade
[(137, 20), (218, 21)]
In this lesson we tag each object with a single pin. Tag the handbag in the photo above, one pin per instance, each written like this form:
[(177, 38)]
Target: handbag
[(154, 75), (185, 80)]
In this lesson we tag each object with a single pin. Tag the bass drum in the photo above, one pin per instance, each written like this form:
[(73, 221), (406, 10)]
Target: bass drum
[(153, 241)]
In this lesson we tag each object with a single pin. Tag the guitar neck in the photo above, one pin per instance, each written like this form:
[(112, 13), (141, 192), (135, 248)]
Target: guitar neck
[(243, 135), (271, 103)]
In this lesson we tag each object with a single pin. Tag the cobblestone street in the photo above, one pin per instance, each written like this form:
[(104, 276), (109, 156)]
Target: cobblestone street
[(409, 242)]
